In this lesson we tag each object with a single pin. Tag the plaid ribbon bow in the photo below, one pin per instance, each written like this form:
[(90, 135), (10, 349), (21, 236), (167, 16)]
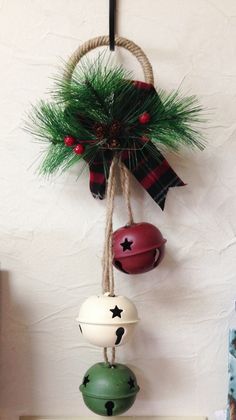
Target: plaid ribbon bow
[(147, 164)]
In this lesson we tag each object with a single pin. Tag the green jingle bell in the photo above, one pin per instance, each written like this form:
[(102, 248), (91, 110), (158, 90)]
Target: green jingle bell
[(109, 390)]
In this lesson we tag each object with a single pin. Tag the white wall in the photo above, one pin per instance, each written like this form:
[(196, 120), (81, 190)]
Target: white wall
[(52, 231)]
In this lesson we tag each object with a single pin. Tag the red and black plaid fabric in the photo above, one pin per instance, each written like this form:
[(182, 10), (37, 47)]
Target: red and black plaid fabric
[(154, 174), (99, 172)]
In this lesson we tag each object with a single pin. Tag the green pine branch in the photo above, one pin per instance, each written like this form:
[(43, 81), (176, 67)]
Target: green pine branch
[(101, 94)]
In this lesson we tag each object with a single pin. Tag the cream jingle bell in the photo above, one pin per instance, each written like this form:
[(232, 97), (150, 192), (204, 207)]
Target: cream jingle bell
[(107, 321)]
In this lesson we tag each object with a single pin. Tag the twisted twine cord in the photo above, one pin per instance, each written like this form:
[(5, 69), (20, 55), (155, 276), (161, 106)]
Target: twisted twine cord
[(113, 355), (108, 283), (108, 275), (102, 41), (125, 185)]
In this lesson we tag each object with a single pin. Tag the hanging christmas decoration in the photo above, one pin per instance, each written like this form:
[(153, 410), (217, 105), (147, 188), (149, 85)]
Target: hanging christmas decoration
[(116, 126)]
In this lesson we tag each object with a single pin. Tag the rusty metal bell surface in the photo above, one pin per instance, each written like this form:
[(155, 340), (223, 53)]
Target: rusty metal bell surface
[(138, 248)]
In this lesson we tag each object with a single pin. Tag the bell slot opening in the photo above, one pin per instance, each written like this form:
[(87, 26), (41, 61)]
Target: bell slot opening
[(119, 334), (109, 406), (156, 256), (119, 266)]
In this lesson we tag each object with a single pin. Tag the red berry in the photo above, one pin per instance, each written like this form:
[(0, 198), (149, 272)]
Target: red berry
[(144, 118), (69, 141), (79, 149)]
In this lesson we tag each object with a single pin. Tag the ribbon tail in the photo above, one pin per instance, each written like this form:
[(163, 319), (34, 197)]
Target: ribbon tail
[(98, 175), (153, 172)]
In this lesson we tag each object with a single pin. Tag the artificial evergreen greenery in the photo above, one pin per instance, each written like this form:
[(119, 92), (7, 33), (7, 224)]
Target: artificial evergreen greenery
[(100, 108)]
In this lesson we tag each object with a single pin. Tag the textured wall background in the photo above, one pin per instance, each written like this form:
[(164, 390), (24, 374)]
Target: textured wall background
[(52, 232)]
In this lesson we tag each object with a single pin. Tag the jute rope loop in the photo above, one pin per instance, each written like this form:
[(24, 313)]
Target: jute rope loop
[(108, 285), (101, 41), (125, 185)]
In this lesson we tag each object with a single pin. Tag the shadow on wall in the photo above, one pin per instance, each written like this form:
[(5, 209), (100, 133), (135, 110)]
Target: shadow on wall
[(16, 364)]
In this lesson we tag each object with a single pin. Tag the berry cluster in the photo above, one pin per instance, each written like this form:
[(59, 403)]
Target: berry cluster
[(100, 131), (72, 142)]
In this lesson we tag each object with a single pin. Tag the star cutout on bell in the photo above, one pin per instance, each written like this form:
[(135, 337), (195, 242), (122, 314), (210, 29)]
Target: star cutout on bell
[(131, 383), (116, 312), (126, 245), (86, 380)]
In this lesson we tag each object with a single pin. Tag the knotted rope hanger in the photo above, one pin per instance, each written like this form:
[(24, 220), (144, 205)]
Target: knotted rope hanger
[(108, 283)]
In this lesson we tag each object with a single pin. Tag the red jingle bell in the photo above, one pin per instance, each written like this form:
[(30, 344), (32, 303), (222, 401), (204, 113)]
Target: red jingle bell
[(137, 248)]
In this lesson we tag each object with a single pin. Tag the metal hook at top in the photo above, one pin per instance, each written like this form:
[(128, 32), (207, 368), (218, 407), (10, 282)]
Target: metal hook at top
[(112, 24)]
